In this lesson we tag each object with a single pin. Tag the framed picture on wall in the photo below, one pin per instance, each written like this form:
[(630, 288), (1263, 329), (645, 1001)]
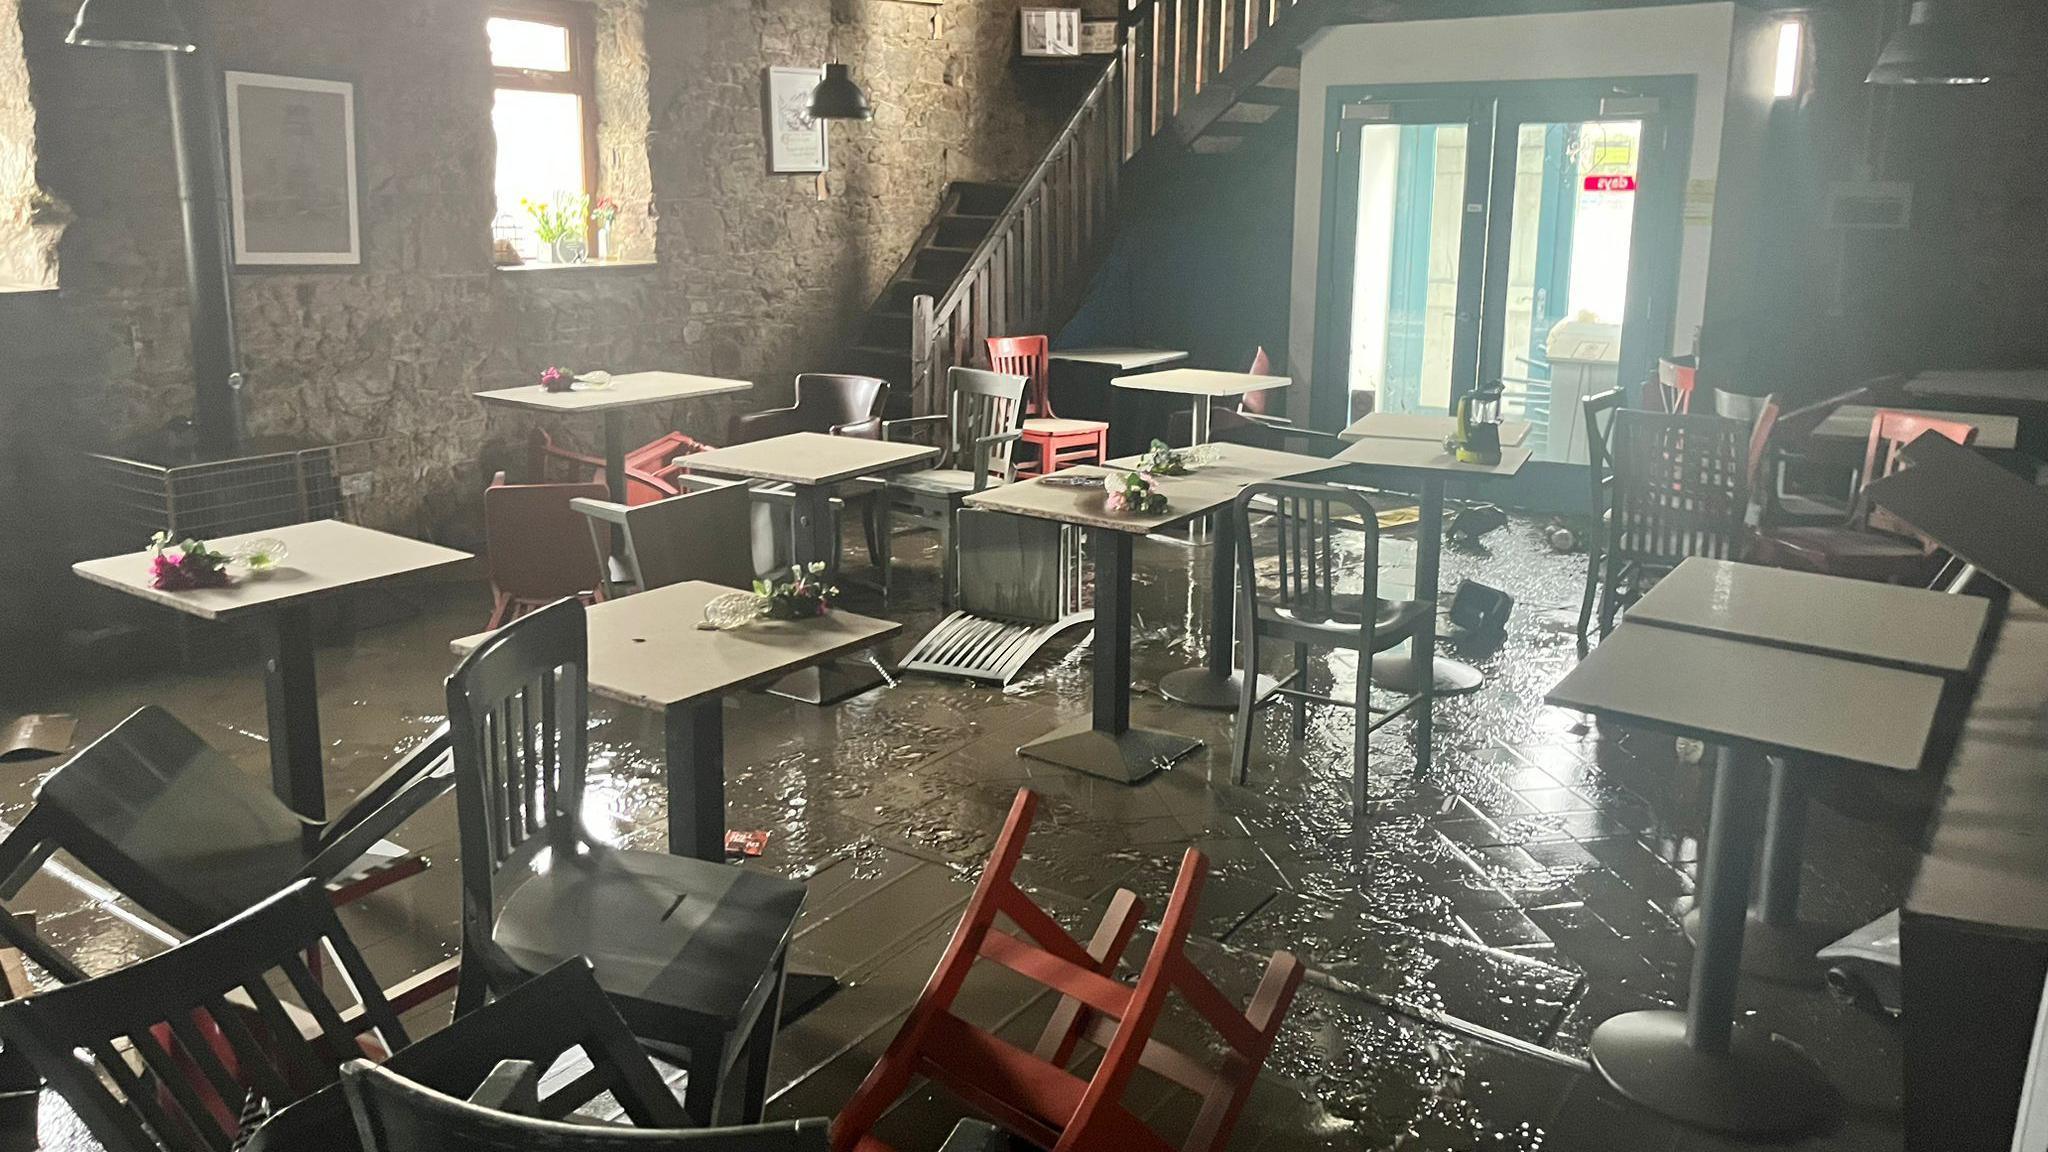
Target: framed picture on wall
[(292, 170), (1050, 31), (796, 143)]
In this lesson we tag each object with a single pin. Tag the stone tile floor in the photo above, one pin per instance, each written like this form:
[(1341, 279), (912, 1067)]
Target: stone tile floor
[(1520, 891)]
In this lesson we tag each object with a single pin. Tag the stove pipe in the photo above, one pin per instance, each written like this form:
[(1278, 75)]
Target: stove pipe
[(193, 82)]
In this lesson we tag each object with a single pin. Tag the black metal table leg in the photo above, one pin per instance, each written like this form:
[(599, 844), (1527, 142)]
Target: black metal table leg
[(1105, 744), (615, 454), (291, 694), (1777, 945), (1215, 683), (1699, 1067), (816, 538)]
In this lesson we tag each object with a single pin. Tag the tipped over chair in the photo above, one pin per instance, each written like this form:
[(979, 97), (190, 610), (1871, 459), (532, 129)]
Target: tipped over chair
[(177, 828), (1302, 607), (1035, 1093), (976, 438), (1868, 545), (692, 953), (1049, 442), (538, 547), (650, 468)]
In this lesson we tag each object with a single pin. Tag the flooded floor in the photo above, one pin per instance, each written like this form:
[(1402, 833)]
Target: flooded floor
[(1520, 892)]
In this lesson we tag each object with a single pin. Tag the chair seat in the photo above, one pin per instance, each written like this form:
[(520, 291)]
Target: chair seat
[(1052, 426), (937, 481), (1393, 622), (1841, 551), (667, 932)]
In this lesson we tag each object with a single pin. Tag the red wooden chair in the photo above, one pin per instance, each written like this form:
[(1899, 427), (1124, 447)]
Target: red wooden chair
[(1032, 1093), (538, 547), (1050, 443), (649, 468), (1870, 545)]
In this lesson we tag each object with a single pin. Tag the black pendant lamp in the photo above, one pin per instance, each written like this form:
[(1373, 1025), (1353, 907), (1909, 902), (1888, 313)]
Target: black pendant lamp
[(1928, 50), (837, 97), (142, 25)]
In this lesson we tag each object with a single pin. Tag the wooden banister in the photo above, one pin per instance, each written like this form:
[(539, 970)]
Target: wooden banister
[(1175, 56)]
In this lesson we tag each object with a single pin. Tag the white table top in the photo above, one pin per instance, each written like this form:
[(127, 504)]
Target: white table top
[(1187, 496), (646, 649), (1859, 619), (630, 390), (808, 458), (1201, 382), (1120, 357), (1426, 456), (1852, 422), (324, 556), (2019, 385), (1717, 689), (1424, 426)]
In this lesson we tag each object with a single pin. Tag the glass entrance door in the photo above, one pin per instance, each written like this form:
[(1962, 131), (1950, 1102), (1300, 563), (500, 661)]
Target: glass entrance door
[(1491, 238)]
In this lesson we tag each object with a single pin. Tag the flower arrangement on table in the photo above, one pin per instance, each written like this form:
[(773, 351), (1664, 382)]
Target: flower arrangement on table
[(1161, 460), (192, 565), (1132, 493), (802, 595)]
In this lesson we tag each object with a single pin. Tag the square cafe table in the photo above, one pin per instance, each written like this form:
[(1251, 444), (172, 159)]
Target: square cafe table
[(1123, 359), (1425, 463), (1424, 426), (1205, 385), (324, 558), (1882, 624), (1105, 744), (630, 390), (1751, 700), (813, 464)]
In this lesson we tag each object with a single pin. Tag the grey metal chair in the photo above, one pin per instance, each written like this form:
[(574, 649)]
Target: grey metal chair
[(1020, 584), (1303, 608), (977, 438), (717, 531)]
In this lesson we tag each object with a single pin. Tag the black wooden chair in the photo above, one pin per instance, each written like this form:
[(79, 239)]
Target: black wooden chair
[(1598, 411), (173, 825), (1303, 607), (691, 952), (1680, 489), (396, 1114)]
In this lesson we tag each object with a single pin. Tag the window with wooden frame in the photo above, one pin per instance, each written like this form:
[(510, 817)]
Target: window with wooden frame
[(544, 115)]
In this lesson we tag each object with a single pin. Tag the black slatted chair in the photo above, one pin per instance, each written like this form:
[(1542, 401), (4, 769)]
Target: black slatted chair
[(396, 1114), (173, 825), (692, 953), (1598, 411)]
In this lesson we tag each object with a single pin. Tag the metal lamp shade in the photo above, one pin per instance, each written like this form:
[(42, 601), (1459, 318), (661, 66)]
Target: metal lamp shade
[(1928, 50), (837, 97), (141, 25)]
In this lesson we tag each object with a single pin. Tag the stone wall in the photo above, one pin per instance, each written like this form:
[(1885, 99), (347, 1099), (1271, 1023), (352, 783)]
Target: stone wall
[(30, 222), (757, 275)]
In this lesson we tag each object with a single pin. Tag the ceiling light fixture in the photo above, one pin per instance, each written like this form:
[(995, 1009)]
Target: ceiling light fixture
[(1928, 50)]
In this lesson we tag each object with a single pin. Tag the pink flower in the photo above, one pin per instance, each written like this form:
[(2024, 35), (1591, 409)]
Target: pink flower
[(1113, 502), (554, 380)]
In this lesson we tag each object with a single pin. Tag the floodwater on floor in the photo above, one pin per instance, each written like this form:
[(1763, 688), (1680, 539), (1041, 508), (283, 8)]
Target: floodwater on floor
[(1521, 890)]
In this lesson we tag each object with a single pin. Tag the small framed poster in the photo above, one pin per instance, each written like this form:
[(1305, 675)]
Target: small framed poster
[(1051, 31), (796, 143), (292, 170), (1098, 37)]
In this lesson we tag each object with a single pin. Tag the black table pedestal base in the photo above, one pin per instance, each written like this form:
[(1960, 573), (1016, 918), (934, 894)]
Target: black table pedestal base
[(1126, 757), (1200, 687), (1780, 953), (1762, 1086)]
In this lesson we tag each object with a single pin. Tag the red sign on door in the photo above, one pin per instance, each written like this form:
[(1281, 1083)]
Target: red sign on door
[(1610, 183)]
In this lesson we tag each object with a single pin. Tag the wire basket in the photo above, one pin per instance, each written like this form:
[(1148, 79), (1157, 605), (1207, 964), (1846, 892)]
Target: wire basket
[(226, 497)]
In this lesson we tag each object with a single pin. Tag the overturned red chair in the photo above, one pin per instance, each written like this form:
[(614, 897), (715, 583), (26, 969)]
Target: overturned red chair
[(1032, 1093)]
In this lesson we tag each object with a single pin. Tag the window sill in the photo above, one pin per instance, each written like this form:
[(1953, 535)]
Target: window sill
[(11, 288), (587, 266)]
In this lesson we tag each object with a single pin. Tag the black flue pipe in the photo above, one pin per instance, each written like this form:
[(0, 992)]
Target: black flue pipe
[(202, 197)]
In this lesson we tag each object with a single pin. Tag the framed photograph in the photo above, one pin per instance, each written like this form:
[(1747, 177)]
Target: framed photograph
[(1051, 31), (1098, 37), (292, 170), (796, 143)]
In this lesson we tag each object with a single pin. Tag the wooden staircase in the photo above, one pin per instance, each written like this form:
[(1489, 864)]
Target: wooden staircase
[(1200, 76)]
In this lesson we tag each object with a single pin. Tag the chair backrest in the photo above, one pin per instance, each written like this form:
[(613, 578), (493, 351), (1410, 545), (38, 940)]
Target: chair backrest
[(539, 548), (1307, 548), (1031, 358), (1033, 1094), (703, 534), (1679, 486), (1891, 431), (183, 1043), (985, 404), (1598, 412), (517, 707), (1760, 445), (824, 402), (396, 1114), (1257, 403)]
